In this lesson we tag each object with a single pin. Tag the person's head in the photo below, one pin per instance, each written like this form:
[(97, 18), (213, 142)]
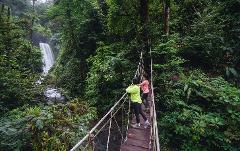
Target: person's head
[(135, 80), (145, 77)]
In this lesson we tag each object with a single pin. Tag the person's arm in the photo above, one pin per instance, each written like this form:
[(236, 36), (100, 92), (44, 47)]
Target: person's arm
[(131, 89)]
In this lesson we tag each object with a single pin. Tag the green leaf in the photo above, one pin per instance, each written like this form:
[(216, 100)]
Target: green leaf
[(39, 124), (227, 71), (234, 72), (185, 87), (189, 93)]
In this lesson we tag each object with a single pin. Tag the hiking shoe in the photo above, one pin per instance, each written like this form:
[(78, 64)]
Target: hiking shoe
[(146, 124), (136, 125)]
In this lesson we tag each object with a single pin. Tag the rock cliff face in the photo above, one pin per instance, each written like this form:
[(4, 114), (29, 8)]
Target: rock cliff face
[(39, 38)]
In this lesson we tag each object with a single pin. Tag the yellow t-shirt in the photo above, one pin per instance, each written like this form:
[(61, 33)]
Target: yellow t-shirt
[(134, 91)]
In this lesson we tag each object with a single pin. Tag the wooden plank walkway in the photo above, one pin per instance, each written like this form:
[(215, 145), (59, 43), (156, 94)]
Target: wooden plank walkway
[(138, 139)]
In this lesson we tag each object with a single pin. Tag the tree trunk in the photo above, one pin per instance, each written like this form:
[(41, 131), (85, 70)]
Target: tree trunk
[(70, 27), (144, 39), (33, 19), (2, 9), (166, 12), (144, 11), (8, 13), (33, 5), (103, 6), (144, 16)]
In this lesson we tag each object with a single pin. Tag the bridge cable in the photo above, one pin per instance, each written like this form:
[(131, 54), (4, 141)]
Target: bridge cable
[(89, 135), (154, 129), (106, 122), (109, 132), (119, 129), (128, 121)]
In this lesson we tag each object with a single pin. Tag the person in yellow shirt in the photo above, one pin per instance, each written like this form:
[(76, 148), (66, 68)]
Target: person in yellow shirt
[(134, 91)]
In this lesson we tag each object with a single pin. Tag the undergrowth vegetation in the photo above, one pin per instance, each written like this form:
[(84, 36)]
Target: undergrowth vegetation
[(196, 112), (194, 45), (56, 127)]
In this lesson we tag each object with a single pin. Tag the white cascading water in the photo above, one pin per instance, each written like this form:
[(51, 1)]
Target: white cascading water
[(48, 57), (51, 94)]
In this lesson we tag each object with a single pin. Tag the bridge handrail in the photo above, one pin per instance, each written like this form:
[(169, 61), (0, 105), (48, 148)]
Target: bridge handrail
[(154, 128), (94, 128)]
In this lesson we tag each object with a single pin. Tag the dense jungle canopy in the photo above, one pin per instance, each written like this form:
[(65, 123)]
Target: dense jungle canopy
[(194, 44)]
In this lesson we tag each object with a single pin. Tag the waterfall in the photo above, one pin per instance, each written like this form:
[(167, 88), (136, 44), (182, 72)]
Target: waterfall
[(48, 57), (51, 93)]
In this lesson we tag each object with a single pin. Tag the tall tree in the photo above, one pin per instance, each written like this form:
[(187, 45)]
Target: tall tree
[(80, 28), (103, 5), (144, 37), (5, 8), (33, 18), (20, 62), (144, 17), (166, 15)]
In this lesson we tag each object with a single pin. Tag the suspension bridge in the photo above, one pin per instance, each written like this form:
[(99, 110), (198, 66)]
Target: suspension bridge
[(114, 132)]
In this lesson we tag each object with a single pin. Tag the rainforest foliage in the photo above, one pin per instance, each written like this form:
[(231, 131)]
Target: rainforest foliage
[(20, 61), (195, 49), (27, 122)]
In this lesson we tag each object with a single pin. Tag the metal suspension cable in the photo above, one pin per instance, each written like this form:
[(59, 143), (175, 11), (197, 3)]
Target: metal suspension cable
[(122, 123), (108, 113), (129, 108), (156, 144), (119, 129), (113, 114), (109, 132), (109, 120), (94, 128), (105, 124), (139, 65)]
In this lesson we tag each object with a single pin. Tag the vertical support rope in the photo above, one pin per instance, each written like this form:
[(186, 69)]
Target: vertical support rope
[(153, 112), (138, 72), (93, 146), (109, 132), (95, 127), (129, 107), (122, 123), (119, 129), (139, 67), (156, 144)]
